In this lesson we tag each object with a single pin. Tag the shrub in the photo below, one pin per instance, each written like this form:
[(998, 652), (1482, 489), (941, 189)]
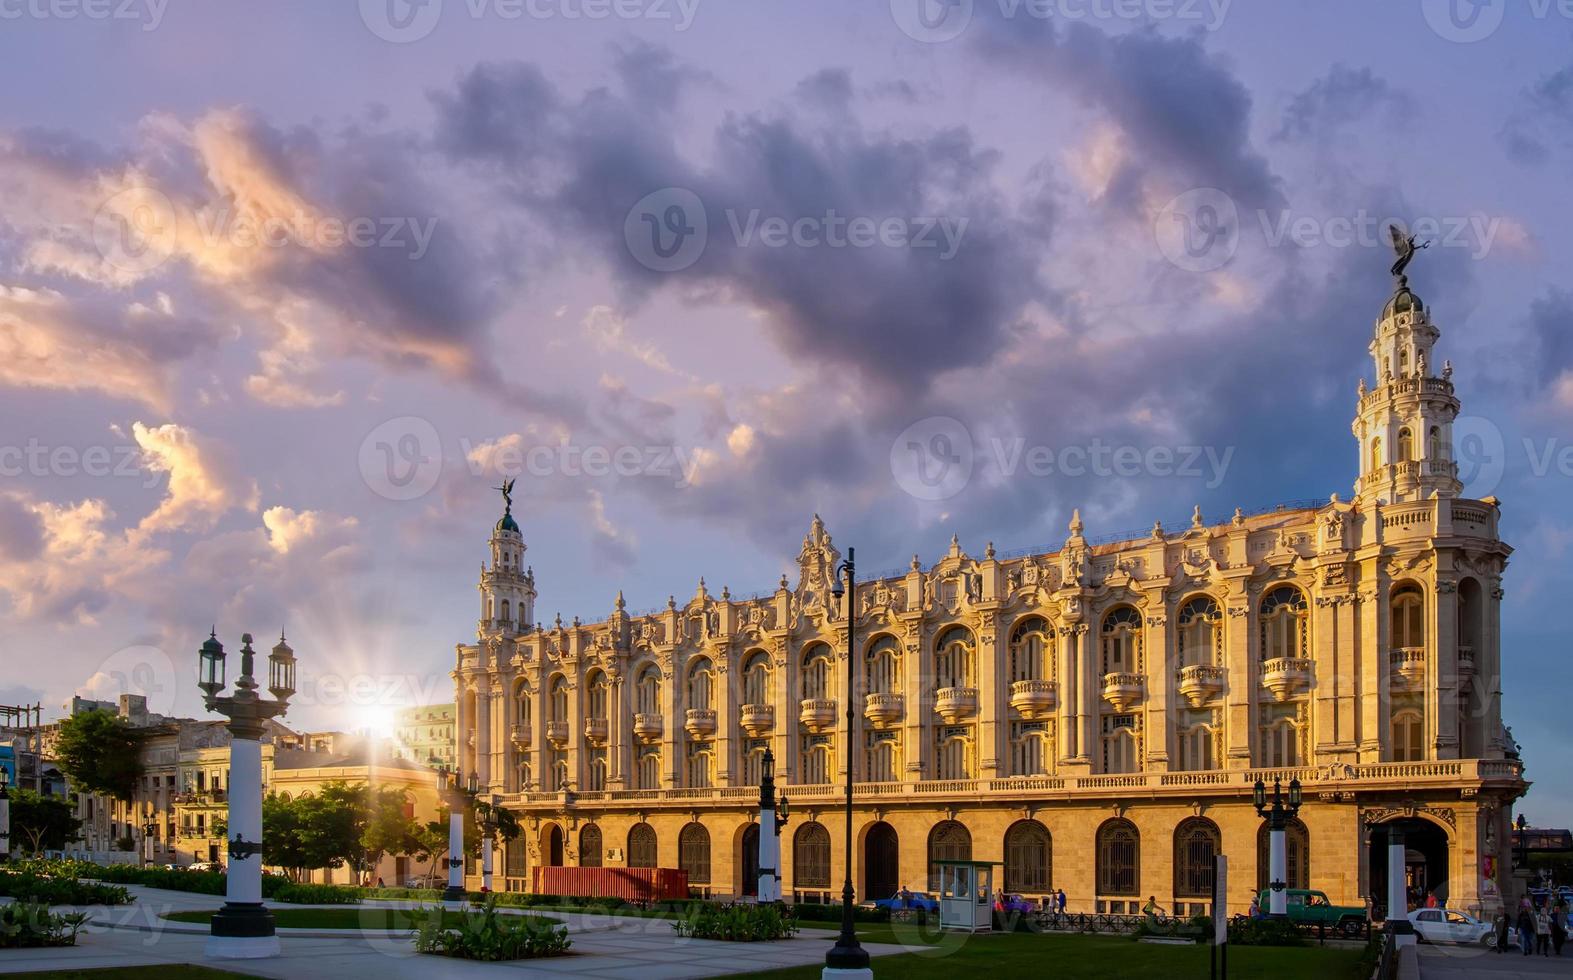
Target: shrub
[(32, 924), (29, 887), (488, 936), (817, 912), (315, 894), (1264, 932), (741, 922)]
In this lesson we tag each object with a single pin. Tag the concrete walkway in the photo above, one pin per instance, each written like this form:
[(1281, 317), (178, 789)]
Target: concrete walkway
[(603, 946), (1439, 962)]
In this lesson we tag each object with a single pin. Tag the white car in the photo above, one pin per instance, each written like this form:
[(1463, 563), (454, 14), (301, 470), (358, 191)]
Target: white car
[(1450, 926)]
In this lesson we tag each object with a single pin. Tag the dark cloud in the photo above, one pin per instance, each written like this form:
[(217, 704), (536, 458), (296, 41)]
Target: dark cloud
[(1344, 95), (1540, 123), (21, 531), (1551, 327), (828, 87)]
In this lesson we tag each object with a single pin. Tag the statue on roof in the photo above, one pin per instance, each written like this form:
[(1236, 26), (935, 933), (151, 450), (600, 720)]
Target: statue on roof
[(1406, 248), (507, 495)]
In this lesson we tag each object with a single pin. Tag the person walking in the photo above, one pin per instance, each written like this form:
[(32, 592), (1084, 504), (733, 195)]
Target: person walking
[(1526, 929), (1059, 900), (1543, 932), (1500, 927)]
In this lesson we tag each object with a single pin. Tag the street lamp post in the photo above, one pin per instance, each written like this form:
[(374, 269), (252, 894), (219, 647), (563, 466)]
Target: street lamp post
[(773, 814), (488, 822), (458, 795), (847, 960), (5, 814), (243, 928), (149, 828), (1278, 816)]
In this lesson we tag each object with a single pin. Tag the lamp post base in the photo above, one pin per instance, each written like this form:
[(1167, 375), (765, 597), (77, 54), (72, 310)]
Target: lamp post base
[(242, 931), (453, 893), (839, 973)]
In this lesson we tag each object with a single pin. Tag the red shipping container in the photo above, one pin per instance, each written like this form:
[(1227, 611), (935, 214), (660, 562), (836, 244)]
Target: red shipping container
[(628, 884)]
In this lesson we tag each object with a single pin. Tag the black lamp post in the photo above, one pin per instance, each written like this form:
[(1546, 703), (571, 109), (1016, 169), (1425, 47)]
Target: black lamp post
[(1278, 816), (846, 955), (5, 814), (1521, 843), (149, 828)]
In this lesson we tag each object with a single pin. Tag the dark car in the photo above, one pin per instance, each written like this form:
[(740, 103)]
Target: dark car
[(908, 901), (1014, 903)]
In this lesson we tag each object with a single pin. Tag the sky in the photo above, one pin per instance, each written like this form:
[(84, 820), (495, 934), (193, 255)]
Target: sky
[(286, 290)]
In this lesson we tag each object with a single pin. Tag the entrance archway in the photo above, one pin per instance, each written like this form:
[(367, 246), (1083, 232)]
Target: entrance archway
[(750, 862), (881, 862), (552, 846), (1425, 861)]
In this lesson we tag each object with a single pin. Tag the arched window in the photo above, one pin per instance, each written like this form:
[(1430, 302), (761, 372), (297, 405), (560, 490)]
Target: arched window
[(521, 700), (560, 775), (1434, 447), (1119, 858), (523, 774), (816, 765), (641, 846), (884, 666), (816, 672), (598, 688), (1201, 635), (1196, 846), (598, 770), (1376, 453), (559, 699), (648, 769), (693, 853), (953, 658), (1029, 649), (700, 681), (1281, 744), (949, 840), (1408, 620), (753, 766), (1406, 445), (516, 858), (1297, 847), (649, 691), (953, 761), (756, 678), (1029, 750), (700, 768), (1284, 624), (1121, 745), (1196, 748), (590, 846), (811, 856), (1122, 641), (1408, 740), (1028, 857), (506, 612)]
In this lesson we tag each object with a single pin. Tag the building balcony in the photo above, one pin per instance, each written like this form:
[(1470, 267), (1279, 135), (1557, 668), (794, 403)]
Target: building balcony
[(595, 731), (1124, 691), (700, 722), (956, 703), (1408, 665), (758, 720), (519, 734), (1286, 676), (648, 726), (557, 733), (817, 714), (1466, 662), (1034, 699), (1200, 683), (884, 710)]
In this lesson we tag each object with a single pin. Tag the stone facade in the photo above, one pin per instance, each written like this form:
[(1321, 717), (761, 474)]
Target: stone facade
[(1094, 717)]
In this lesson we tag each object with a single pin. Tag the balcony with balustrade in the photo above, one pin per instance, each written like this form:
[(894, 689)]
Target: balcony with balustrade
[(595, 731), (1408, 666), (700, 723), (557, 733), (1124, 690), (1034, 700), (956, 703), (648, 727), (1466, 662), (884, 710), (1284, 677), (519, 734), (758, 720), (817, 715), (1201, 683)]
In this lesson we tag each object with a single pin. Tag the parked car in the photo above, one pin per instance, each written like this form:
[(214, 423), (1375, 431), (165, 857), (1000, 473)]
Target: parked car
[(1014, 903), (421, 881), (1308, 907), (206, 866), (908, 901), (1450, 926)]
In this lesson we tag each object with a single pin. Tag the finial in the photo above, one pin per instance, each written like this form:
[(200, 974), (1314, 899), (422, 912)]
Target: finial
[(1447, 370), (671, 602), (726, 593), (559, 620), (1362, 389), (1076, 524), (1157, 530), (988, 551), (576, 621), (213, 632), (783, 582), (917, 566), (955, 545), (621, 605), (1196, 516), (1239, 517)]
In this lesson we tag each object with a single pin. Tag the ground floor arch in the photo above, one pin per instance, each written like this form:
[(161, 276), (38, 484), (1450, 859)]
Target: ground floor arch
[(749, 861), (881, 861), (1426, 861)]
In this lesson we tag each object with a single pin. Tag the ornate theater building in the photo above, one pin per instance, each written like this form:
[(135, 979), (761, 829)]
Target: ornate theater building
[(1093, 718)]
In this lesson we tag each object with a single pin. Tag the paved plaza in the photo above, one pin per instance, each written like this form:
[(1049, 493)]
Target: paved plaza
[(1466, 962), (603, 946)]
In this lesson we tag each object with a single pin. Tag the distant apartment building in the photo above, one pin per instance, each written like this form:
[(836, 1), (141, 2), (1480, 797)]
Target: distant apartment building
[(424, 735)]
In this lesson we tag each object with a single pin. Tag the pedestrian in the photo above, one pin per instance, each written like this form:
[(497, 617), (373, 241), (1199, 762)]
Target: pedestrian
[(1255, 910), (1059, 900), (1501, 931), (379, 881), (1543, 932), (1526, 929), (1559, 926), (1430, 900)]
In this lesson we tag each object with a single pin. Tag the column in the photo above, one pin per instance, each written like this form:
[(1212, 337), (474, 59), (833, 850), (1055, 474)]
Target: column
[(1492, 641), (726, 697), (917, 743), (785, 687), (483, 732), (671, 743), (990, 677), (243, 929), (619, 739), (463, 723), (1159, 679), (1277, 868), (1068, 711), (1442, 671), (578, 761), (1090, 691), (1370, 611), (1239, 630)]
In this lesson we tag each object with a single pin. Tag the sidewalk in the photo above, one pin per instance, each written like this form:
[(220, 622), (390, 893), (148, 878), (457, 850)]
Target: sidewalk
[(1463, 962)]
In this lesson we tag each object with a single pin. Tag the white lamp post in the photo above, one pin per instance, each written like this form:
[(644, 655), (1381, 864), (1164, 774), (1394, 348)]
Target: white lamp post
[(457, 794), (1278, 815), (772, 817), (488, 844), (243, 928)]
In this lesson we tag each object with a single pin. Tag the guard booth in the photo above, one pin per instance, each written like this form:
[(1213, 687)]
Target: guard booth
[(966, 895)]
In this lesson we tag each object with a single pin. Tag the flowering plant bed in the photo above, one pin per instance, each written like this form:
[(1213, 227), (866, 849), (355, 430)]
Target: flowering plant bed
[(485, 935), (739, 923)]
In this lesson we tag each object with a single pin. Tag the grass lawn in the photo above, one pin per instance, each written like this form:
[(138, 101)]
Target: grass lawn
[(338, 918), (950, 956), (178, 971)]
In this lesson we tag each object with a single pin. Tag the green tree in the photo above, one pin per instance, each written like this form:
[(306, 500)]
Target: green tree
[(100, 753), (390, 829), (282, 843), (44, 823)]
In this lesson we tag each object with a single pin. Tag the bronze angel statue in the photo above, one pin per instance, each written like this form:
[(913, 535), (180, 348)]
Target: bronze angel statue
[(1406, 248), (507, 494)]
